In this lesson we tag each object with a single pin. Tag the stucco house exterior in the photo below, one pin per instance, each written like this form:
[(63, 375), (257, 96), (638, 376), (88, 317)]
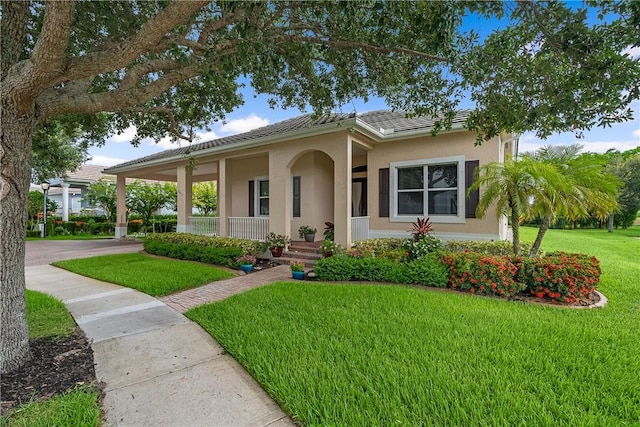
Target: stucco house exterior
[(371, 174)]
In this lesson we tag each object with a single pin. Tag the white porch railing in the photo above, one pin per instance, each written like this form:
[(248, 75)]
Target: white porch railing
[(253, 228), (207, 225), (359, 228)]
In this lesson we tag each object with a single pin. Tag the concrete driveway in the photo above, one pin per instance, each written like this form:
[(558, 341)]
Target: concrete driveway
[(43, 252)]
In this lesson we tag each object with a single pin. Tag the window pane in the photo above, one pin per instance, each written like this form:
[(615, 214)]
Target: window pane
[(443, 202), (411, 203), (443, 176), (264, 188), (410, 178), (264, 206)]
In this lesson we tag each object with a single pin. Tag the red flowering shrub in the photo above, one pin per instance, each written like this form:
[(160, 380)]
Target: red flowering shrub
[(560, 276), (482, 274)]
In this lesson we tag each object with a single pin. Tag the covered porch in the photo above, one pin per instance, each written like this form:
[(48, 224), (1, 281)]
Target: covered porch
[(278, 188)]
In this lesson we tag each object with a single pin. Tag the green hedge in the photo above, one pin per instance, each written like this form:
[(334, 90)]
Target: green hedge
[(212, 250), (555, 277), (502, 247), (426, 271)]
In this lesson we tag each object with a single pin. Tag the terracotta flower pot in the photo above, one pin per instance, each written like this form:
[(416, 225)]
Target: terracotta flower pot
[(276, 252)]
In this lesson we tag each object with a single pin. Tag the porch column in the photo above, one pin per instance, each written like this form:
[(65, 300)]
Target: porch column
[(65, 201), (121, 207), (184, 174), (279, 194), (223, 194), (342, 196)]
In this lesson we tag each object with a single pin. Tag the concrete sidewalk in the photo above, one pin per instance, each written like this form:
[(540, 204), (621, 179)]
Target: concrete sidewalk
[(160, 369)]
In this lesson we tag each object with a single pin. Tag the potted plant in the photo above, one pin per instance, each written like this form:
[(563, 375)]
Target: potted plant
[(246, 262), (308, 233), (329, 248), (329, 230), (276, 243), (297, 269)]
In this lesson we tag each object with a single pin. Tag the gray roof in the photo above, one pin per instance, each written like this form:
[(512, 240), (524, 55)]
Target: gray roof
[(381, 119)]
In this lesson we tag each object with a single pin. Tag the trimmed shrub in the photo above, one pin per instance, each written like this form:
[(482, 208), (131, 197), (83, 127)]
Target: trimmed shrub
[(33, 233), (501, 247), (426, 271), (378, 246), (211, 250), (560, 276), (482, 274), (338, 268)]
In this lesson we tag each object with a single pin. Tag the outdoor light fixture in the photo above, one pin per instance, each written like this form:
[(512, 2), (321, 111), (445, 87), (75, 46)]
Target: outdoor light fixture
[(45, 187)]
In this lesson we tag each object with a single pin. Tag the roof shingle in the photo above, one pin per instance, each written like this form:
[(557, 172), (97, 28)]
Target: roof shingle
[(381, 119)]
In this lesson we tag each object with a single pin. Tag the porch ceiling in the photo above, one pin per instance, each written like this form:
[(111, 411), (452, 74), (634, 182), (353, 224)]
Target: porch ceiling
[(202, 172)]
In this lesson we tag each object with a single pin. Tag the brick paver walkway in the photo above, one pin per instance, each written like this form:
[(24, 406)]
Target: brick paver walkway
[(222, 289)]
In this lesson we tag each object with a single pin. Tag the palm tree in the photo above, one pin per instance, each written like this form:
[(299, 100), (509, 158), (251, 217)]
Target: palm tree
[(583, 188), (510, 186)]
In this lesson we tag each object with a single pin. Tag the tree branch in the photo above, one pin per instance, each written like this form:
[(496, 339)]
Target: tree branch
[(56, 101), (24, 81), (137, 72), (170, 114), (122, 54), (363, 46)]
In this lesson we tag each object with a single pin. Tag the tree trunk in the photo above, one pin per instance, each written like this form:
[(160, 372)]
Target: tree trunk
[(15, 176), (544, 226), (515, 227), (610, 224)]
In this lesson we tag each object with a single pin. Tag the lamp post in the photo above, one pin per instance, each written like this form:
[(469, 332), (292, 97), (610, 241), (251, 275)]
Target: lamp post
[(45, 187)]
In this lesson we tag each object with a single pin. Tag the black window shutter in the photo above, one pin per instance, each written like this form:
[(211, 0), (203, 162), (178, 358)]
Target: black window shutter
[(470, 169), (251, 198), (383, 200), (296, 196)]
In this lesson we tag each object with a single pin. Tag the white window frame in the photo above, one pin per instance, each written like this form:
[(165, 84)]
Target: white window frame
[(256, 195), (393, 187)]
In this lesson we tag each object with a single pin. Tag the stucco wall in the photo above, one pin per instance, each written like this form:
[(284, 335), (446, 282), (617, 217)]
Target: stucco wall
[(243, 171), (315, 170), (444, 145)]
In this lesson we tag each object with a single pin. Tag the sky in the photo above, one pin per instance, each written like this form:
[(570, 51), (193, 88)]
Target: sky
[(257, 113)]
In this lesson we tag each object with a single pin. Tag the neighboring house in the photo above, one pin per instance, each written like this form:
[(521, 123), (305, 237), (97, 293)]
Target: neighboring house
[(370, 174), (68, 192)]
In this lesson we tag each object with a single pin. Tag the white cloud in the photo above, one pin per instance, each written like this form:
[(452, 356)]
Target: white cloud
[(636, 133), (165, 143), (244, 125), (206, 136), (126, 136), (633, 52), (105, 161)]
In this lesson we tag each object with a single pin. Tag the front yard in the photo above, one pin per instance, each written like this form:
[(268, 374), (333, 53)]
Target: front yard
[(380, 355), (151, 275)]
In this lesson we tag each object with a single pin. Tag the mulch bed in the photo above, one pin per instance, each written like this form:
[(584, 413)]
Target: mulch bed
[(57, 365)]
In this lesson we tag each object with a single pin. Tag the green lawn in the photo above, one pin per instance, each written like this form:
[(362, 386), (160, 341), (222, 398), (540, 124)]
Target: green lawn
[(382, 355), (151, 275), (48, 318)]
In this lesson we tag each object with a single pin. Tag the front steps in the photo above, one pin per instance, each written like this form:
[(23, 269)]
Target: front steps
[(307, 252)]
